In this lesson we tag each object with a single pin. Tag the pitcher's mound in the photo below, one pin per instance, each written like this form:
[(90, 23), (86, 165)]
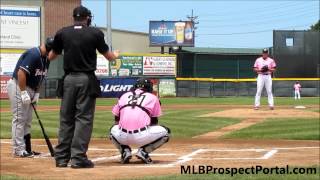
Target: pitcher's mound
[(263, 113)]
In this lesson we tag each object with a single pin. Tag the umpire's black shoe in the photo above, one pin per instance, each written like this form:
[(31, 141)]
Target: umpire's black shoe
[(84, 164), (61, 164)]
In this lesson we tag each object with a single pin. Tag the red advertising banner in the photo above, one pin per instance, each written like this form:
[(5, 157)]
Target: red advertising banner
[(4, 82)]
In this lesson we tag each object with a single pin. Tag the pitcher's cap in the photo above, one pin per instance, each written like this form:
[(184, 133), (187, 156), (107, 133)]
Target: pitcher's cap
[(265, 50)]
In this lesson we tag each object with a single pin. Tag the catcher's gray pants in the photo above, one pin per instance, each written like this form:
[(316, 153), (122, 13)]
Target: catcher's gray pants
[(76, 119), (22, 116)]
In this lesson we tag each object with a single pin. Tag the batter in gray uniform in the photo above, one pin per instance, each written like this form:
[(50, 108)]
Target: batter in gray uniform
[(23, 89)]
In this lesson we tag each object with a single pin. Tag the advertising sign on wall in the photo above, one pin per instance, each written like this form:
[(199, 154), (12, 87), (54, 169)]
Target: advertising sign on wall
[(20, 27), (159, 65), (102, 66), (3, 84), (171, 33), (126, 66), (167, 88), (8, 62), (115, 87)]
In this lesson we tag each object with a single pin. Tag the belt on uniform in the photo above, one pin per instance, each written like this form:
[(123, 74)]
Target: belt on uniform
[(133, 131)]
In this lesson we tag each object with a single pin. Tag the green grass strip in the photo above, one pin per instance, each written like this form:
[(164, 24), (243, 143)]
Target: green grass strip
[(297, 129)]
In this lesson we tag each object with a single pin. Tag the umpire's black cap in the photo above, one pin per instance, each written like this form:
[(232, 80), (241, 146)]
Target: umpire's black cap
[(265, 50), (81, 11)]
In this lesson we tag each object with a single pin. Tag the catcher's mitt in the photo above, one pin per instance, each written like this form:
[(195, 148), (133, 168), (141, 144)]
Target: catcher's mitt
[(264, 68)]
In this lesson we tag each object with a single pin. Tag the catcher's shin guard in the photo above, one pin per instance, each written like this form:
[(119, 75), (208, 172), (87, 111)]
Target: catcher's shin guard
[(119, 146), (155, 144)]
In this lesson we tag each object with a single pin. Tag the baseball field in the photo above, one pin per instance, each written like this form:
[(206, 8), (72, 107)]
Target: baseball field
[(211, 137)]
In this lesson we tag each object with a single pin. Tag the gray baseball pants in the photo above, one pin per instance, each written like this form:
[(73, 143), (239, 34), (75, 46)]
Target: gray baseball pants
[(76, 119), (22, 116)]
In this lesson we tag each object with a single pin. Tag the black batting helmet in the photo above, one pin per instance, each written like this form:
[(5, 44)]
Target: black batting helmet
[(49, 44), (144, 84)]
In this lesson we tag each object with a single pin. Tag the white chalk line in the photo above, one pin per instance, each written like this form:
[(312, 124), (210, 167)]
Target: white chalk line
[(235, 150), (187, 157), (293, 148), (267, 155)]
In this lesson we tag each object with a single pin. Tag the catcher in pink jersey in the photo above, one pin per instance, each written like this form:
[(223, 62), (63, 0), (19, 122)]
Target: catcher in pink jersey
[(136, 122), (264, 66)]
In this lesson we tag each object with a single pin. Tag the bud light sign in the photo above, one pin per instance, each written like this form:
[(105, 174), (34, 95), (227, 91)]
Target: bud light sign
[(116, 87)]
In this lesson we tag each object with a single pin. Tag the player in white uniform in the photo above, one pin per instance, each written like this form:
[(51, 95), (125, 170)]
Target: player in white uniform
[(297, 90), (264, 66)]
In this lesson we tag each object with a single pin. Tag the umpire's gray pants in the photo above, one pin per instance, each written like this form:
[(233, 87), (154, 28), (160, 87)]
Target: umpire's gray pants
[(76, 119), (22, 116)]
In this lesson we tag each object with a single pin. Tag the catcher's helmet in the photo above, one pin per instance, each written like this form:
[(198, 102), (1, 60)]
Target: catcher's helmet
[(145, 84), (49, 43)]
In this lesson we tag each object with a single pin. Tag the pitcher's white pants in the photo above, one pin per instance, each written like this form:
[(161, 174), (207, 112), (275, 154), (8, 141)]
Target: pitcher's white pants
[(142, 138), (296, 94), (264, 81)]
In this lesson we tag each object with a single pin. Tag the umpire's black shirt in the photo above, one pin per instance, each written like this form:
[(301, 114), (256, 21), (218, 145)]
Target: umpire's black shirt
[(79, 43)]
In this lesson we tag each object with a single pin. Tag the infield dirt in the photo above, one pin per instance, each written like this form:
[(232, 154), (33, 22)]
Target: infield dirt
[(205, 149)]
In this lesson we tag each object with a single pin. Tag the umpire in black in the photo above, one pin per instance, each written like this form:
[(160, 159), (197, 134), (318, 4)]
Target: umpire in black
[(80, 88)]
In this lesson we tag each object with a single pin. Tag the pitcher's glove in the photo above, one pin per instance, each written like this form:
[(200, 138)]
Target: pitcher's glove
[(264, 68)]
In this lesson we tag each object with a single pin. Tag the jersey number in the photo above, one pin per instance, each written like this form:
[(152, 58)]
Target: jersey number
[(136, 100)]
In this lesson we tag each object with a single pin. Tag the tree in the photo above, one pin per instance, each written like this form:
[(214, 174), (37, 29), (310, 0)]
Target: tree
[(315, 27)]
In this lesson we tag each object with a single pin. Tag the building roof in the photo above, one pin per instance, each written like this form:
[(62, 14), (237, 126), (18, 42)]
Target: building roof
[(201, 50), (125, 31)]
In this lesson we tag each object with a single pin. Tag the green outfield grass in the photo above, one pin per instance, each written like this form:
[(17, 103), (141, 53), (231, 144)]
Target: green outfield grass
[(295, 128), (11, 177), (193, 100), (183, 122)]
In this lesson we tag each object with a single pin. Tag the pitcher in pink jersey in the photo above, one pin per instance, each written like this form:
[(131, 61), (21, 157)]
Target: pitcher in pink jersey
[(264, 66), (136, 122), (297, 90)]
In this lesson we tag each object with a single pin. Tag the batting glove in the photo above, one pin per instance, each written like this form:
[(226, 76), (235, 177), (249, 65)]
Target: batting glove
[(25, 97), (35, 98)]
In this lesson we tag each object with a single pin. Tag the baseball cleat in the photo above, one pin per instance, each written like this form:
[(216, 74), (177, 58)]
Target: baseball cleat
[(126, 156), (24, 154), (61, 164), (271, 108), (35, 153), (256, 108), (144, 156), (84, 164)]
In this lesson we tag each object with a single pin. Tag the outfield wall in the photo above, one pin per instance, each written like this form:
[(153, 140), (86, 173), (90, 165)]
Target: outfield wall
[(206, 87)]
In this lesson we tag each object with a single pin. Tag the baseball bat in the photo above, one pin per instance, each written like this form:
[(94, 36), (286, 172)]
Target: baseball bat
[(44, 132)]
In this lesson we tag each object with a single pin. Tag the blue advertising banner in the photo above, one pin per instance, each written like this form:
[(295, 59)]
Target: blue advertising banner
[(115, 87), (171, 33)]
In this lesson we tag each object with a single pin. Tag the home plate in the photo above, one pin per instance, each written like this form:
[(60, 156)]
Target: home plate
[(300, 107)]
